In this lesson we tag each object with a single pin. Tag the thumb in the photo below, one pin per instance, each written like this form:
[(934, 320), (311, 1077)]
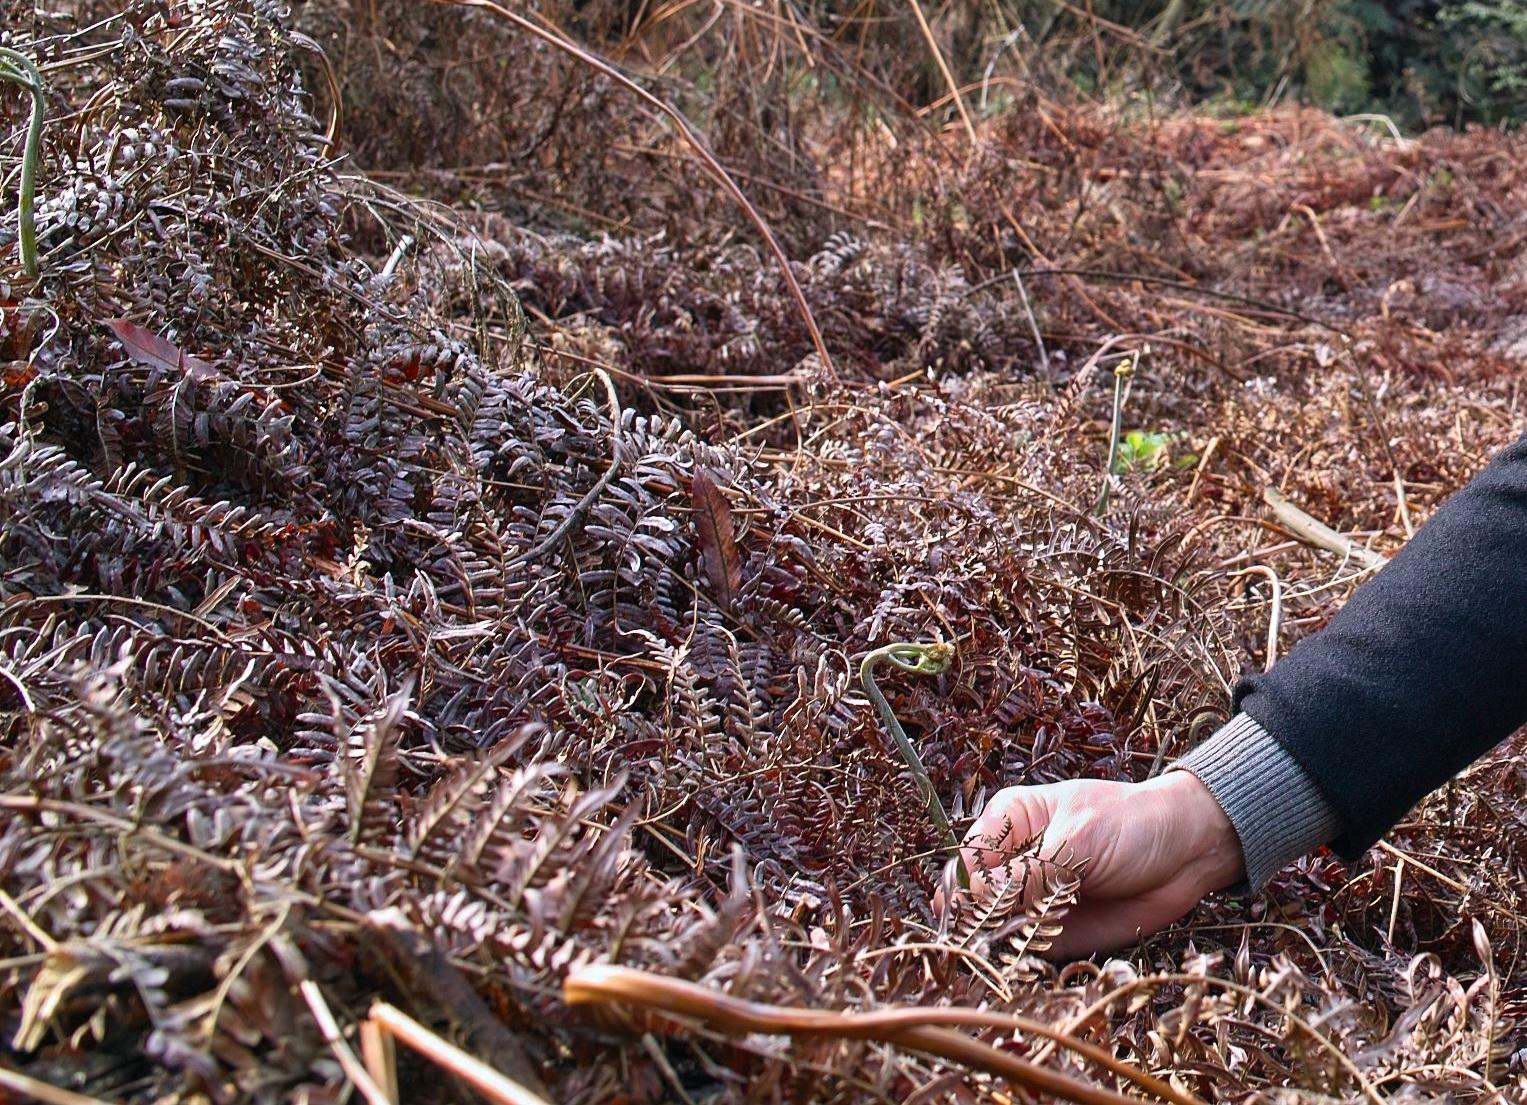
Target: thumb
[(1012, 822)]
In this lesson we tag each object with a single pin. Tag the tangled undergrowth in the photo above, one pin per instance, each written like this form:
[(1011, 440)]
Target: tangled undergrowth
[(420, 592)]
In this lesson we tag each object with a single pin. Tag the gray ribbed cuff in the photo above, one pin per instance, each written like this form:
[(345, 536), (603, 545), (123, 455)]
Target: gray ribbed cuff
[(1277, 810)]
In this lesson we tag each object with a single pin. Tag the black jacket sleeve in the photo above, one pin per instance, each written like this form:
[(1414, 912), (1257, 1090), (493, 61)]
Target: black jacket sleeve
[(1422, 671)]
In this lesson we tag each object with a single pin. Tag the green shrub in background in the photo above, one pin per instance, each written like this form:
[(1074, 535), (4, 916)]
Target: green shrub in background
[(1492, 74), (1421, 62)]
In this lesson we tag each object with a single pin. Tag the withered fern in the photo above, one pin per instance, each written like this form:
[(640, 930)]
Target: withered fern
[(366, 645)]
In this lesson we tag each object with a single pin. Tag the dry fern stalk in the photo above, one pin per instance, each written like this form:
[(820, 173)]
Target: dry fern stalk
[(911, 1027)]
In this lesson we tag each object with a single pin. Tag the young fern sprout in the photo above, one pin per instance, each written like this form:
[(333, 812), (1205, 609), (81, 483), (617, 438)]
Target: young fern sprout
[(919, 659), (17, 68), (1123, 374)]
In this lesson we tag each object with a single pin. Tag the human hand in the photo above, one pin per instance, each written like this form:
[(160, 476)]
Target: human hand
[(1147, 852)]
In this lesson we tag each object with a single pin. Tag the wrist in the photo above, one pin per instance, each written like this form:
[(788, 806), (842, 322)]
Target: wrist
[(1204, 830), (1278, 811)]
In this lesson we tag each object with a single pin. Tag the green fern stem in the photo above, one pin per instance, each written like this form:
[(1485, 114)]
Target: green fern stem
[(919, 659), (17, 68), (1123, 372)]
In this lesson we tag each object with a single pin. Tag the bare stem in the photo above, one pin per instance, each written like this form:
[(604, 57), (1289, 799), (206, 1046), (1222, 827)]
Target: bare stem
[(494, 1085), (943, 67), (17, 68), (1123, 372), (922, 1028), (920, 659)]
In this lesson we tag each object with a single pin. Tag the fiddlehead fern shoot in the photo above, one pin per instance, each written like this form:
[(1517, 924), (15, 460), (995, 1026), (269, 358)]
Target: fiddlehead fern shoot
[(919, 659), (1123, 373), (17, 68)]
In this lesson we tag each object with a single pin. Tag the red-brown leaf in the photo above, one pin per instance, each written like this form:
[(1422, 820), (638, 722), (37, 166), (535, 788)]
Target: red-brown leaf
[(148, 348), (717, 538)]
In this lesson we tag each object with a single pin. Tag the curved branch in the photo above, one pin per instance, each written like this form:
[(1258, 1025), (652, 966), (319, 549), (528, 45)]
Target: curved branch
[(691, 136), (922, 1028)]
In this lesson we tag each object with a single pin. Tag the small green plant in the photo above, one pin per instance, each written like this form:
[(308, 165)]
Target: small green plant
[(1150, 450), (17, 68), (1142, 449), (920, 659)]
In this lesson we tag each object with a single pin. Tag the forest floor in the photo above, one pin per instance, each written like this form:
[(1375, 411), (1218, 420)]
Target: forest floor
[(437, 556)]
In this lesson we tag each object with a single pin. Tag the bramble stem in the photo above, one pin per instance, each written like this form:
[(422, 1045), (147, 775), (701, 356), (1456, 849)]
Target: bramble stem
[(920, 659), (18, 69)]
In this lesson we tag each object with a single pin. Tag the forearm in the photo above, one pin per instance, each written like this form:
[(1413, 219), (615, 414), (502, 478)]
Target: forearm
[(1422, 671)]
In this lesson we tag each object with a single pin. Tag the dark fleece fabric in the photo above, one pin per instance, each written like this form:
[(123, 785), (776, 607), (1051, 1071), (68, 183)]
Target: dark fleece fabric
[(1422, 671)]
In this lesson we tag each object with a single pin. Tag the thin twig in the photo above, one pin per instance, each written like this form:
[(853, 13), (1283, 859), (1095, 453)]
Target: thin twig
[(1399, 498), (45, 1092), (380, 1057), (575, 515), (328, 1028), (1202, 467), (1394, 905), (31, 804), (1312, 531), (943, 67), (1028, 310), (29, 925), (1164, 282), (429, 978), (691, 136)]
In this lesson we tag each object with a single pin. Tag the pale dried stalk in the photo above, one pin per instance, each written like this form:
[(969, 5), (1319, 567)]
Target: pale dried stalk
[(380, 1057), (484, 1079), (943, 67), (48, 1094), (1312, 531), (328, 1027), (28, 924)]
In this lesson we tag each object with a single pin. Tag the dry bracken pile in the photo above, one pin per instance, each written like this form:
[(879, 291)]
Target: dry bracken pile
[(434, 560)]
